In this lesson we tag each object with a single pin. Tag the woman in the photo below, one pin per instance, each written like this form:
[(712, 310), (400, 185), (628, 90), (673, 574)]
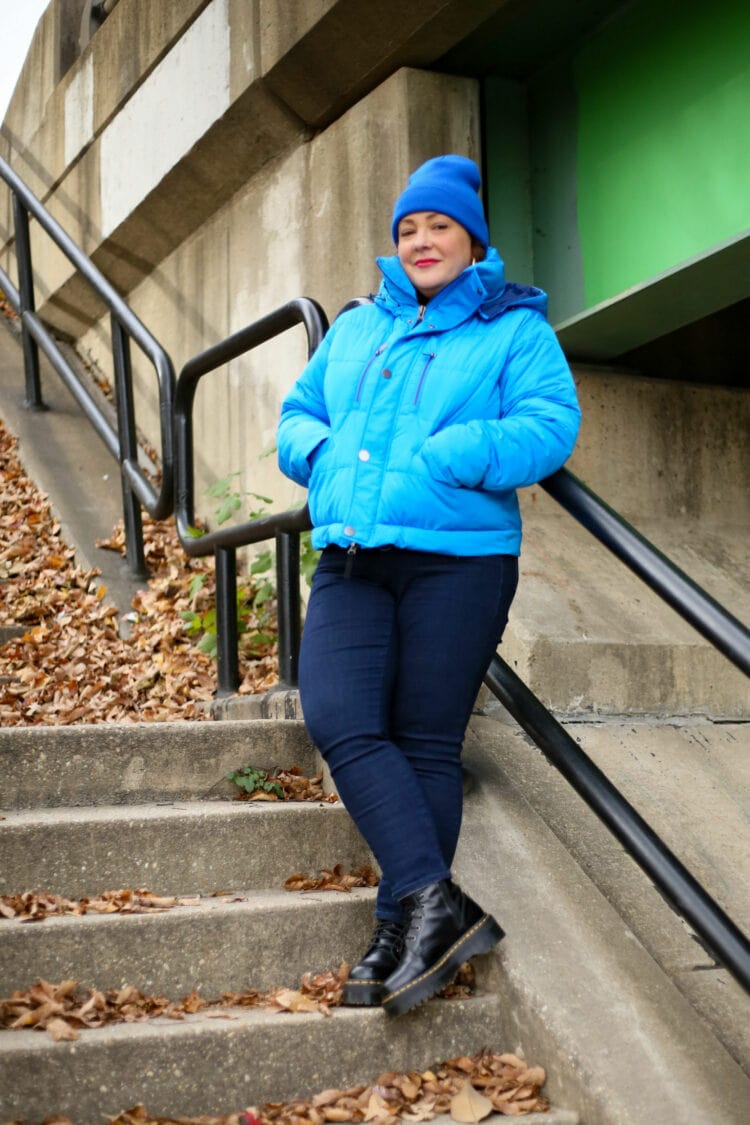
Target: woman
[(412, 425)]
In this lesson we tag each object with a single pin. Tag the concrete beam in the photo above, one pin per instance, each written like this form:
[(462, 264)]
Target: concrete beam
[(321, 56), (159, 122), (689, 291)]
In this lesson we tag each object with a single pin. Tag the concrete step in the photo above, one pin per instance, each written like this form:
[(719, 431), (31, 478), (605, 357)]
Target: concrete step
[(202, 1066), (180, 848), (135, 763), (691, 783), (590, 638), (274, 937)]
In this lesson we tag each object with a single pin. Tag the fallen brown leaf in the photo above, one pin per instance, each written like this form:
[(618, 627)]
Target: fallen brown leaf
[(333, 879), (71, 665), (35, 906), (294, 786), (468, 1105)]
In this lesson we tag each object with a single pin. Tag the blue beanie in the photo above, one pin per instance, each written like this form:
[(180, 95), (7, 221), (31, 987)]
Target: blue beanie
[(449, 185)]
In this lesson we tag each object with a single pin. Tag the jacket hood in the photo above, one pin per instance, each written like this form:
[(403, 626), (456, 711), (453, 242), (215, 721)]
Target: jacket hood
[(481, 289)]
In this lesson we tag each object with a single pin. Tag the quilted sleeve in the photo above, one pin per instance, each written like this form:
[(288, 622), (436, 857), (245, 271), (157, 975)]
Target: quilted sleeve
[(304, 422), (537, 427)]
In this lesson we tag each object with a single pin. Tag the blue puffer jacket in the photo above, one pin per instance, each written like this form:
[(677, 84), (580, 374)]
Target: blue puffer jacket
[(416, 432)]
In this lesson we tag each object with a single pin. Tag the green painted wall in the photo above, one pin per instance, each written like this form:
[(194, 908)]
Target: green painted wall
[(625, 159), (663, 168)]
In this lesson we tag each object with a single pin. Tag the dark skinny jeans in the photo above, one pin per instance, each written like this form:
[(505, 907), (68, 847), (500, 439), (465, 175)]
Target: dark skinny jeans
[(393, 655)]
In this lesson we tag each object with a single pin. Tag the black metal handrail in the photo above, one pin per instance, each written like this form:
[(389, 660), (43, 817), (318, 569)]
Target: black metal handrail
[(223, 542), (713, 926), (137, 490)]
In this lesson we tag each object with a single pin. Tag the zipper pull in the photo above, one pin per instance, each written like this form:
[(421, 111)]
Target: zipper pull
[(422, 309), (351, 552)]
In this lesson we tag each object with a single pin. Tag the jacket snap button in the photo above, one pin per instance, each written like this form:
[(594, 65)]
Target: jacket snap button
[(348, 530), (387, 372), (364, 455)]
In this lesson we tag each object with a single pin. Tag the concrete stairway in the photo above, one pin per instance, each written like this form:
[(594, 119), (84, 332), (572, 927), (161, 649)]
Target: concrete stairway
[(89, 809), (92, 808), (597, 980)]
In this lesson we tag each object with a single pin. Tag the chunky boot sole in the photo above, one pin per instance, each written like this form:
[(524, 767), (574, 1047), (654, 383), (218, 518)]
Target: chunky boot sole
[(481, 938), (363, 993)]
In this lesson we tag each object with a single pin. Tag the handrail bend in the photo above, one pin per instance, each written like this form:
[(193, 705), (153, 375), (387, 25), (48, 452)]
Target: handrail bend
[(223, 542), (138, 491)]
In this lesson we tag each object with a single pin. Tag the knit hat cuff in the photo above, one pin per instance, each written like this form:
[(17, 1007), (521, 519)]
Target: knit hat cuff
[(431, 197)]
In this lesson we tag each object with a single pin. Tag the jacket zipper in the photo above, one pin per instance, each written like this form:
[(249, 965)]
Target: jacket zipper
[(368, 365), (422, 309), (430, 357), (351, 552)]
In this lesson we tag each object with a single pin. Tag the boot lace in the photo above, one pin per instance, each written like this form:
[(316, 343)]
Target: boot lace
[(415, 923), (387, 933)]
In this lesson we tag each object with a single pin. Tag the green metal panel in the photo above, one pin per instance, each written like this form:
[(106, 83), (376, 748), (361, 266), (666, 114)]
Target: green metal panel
[(663, 139)]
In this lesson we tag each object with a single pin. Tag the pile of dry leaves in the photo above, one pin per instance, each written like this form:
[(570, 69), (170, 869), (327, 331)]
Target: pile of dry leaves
[(280, 785), (70, 665), (333, 879), (35, 906), (469, 1089), (63, 1009)]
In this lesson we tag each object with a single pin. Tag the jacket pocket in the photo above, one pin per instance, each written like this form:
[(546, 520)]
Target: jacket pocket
[(361, 384), (429, 356)]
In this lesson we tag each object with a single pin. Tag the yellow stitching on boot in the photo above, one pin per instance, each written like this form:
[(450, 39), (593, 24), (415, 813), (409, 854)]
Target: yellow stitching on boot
[(363, 982), (443, 959)]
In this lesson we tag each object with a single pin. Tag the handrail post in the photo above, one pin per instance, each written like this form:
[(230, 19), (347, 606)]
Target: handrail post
[(289, 606), (226, 621), (33, 400), (131, 507)]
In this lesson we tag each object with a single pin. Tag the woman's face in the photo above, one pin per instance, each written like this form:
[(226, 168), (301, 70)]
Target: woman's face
[(433, 249)]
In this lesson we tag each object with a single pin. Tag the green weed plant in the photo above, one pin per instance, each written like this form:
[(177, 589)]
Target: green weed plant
[(256, 592)]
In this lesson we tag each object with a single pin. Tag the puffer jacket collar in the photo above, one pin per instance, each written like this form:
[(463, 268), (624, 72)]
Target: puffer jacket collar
[(480, 290)]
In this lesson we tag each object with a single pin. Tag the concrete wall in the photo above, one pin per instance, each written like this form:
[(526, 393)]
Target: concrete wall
[(309, 223), (218, 157)]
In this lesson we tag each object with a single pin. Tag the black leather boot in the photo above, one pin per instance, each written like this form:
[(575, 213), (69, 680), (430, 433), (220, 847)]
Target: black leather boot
[(446, 928), (364, 988)]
